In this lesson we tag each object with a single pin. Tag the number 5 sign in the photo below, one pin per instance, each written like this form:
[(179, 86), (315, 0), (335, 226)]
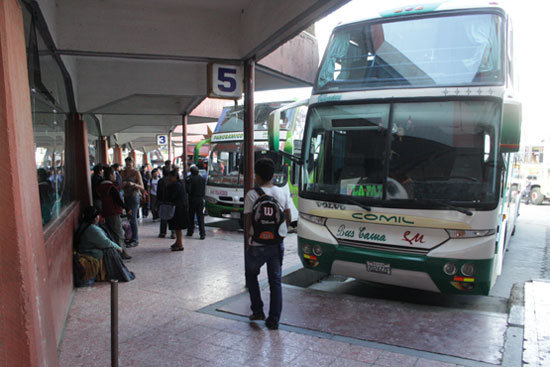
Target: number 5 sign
[(225, 81)]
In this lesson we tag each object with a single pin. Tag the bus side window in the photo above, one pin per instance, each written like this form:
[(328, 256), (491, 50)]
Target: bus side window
[(293, 174)]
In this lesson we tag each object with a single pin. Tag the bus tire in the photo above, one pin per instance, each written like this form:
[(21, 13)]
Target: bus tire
[(536, 196)]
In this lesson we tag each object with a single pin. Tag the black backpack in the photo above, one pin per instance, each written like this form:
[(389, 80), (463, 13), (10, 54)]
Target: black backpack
[(267, 217)]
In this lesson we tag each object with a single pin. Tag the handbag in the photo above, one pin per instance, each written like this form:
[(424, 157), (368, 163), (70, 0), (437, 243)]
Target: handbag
[(167, 211)]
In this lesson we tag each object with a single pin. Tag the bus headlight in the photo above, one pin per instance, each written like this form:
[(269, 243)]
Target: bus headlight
[(450, 269), (313, 218), (459, 233), (211, 200), (468, 269), (317, 250), (306, 248)]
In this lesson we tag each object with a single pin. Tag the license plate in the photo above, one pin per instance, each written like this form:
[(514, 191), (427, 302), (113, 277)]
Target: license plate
[(235, 215), (377, 267)]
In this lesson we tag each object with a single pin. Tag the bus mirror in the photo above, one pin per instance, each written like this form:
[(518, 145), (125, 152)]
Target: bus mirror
[(510, 129), (274, 132)]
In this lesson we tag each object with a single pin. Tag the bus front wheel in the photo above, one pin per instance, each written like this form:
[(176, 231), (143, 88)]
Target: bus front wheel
[(536, 196)]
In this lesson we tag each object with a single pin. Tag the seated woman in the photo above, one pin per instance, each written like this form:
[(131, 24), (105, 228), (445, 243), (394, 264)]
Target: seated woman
[(94, 242)]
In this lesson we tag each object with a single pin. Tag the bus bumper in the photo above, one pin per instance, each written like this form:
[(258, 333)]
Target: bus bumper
[(407, 270), (223, 211)]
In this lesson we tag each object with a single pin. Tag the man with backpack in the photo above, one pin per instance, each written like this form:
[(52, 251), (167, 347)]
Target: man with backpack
[(267, 211)]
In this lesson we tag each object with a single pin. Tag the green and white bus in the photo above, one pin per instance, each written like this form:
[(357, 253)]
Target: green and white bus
[(224, 187), (406, 156), (288, 123)]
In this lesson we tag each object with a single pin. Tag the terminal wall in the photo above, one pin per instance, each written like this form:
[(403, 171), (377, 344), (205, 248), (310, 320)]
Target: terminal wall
[(58, 240), (27, 336)]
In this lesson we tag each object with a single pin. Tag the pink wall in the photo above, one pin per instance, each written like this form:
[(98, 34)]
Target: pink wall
[(59, 254), (27, 336)]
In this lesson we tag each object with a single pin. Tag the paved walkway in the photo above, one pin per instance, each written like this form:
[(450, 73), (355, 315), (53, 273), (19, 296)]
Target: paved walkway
[(537, 321), (160, 324)]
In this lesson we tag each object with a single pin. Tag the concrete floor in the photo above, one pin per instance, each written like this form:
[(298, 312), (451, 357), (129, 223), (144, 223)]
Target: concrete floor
[(185, 309)]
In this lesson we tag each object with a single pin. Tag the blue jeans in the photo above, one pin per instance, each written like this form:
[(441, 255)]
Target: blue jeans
[(132, 203), (255, 258)]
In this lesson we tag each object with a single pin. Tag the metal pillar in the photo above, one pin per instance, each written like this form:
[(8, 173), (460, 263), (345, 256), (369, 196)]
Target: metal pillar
[(248, 128), (114, 323), (103, 150), (184, 143), (170, 146), (132, 155)]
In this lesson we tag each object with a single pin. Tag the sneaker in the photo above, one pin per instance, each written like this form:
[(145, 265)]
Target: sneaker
[(132, 244), (162, 235), (203, 237), (257, 316), (271, 324), (125, 256)]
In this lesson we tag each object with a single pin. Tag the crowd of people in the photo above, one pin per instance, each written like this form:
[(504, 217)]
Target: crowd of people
[(178, 202), (132, 193)]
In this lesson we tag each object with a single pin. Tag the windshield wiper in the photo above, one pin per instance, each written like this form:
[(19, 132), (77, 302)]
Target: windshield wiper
[(349, 200), (447, 205)]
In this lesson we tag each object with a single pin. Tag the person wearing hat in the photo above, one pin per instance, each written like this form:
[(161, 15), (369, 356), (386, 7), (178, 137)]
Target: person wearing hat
[(92, 239), (196, 186)]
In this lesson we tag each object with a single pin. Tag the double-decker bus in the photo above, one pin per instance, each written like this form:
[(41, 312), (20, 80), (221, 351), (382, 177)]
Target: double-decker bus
[(405, 159), (224, 187)]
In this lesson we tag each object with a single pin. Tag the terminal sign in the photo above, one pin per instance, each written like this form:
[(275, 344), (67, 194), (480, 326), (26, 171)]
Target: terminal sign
[(162, 140), (225, 81)]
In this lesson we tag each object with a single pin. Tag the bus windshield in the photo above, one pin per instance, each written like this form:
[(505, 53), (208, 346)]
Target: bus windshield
[(428, 151), (225, 164), (457, 50), (232, 117)]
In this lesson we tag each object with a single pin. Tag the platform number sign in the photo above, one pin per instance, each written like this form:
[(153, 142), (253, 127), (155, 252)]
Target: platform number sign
[(162, 140), (225, 81)]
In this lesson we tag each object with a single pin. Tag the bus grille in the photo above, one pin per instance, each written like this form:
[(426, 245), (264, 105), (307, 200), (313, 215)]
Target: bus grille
[(374, 246)]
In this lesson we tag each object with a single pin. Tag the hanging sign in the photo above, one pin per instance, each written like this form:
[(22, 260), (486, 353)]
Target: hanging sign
[(162, 140), (225, 81)]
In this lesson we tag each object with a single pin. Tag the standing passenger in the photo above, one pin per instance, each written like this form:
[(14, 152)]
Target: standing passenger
[(133, 187), (118, 177), (177, 195), (196, 189), (112, 208), (97, 177), (153, 192), (162, 197), (260, 251)]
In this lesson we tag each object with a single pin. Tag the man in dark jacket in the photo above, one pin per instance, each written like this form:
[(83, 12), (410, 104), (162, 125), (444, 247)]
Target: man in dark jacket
[(97, 177), (162, 196), (196, 187)]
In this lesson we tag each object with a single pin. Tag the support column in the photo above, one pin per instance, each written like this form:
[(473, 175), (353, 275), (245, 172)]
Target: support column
[(78, 160), (132, 155), (117, 154), (248, 128), (184, 143), (170, 146), (145, 159), (103, 150), (27, 336)]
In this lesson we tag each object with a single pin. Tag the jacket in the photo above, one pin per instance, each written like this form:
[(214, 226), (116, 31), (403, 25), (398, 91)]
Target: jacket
[(111, 203), (93, 241)]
